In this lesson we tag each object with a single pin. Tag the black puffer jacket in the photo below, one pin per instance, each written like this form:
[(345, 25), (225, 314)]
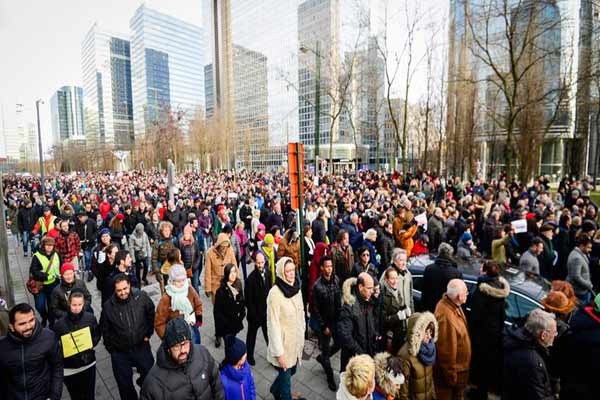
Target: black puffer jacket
[(59, 300), (198, 379), (31, 368), (326, 302), (125, 324), (357, 326), (435, 281), (27, 218), (257, 288), (525, 367), (73, 322)]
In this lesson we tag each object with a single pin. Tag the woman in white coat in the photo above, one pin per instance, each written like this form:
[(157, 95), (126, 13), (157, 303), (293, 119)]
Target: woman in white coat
[(285, 326)]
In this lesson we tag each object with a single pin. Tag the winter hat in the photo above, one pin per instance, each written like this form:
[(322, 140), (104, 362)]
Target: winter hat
[(558, 303), (139, 227), (103, 231), (466, 237), (234, 349), (120, 217), (269, 239), (261, 227), (53, 233), (177, 331), (546, 227), (177, 272), (66, 267)]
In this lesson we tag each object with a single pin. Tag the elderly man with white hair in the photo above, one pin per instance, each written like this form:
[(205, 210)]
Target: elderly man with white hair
[(451, 370)]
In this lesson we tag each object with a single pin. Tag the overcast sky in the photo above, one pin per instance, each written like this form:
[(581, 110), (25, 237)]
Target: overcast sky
[(40, 43)]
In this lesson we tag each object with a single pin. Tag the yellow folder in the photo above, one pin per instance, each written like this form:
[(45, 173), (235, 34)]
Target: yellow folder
[(76, 342)]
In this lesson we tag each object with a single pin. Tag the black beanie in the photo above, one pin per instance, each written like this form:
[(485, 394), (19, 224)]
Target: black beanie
[(234, 349), (177, 331)]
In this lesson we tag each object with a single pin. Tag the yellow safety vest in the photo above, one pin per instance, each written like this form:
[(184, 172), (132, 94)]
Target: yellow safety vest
[(50, 267), (43, 226)]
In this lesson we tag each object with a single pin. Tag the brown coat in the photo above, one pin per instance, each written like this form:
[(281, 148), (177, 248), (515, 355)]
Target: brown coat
[(418, 377), (164, 313), (289, 250), (453, 346), (215, 264), (398, 225)]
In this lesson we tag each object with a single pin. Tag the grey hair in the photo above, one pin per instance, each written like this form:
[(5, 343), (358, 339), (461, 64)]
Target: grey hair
[(538, 321), (454, 288), (397, 252), (371, 234), (444, 249)]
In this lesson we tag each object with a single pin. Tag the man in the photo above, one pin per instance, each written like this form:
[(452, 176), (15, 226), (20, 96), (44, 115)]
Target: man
[(127, 323), (123, 265), (319, 230), (578, 269), (44, 223), (529, 260), (357, 330), (86, 229), (451, 370), (548, 256), (183, 370), (257, 288), (526, 358), (325, 310), (355, 234), (31, 365), (342, 256), (26, 221), (275, 217), (437, 276), (67, 244), (435, 229)]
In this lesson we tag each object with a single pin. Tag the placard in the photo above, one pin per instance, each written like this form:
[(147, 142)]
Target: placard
[(520, 225), (76, 342)]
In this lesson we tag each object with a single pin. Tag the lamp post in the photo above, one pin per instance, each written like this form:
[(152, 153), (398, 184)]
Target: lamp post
[(317, 53), (40, 152)]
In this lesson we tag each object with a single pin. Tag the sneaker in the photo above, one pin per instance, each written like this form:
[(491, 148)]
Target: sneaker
[(251, 361), (332, 385), (90, 276)]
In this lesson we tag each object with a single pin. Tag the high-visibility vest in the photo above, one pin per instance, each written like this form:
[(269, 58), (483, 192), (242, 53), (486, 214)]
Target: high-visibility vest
[(43, 227), (49, 266)]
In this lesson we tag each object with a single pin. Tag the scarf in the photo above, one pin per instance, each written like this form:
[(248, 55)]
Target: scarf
[(393, 291), (287, 289), (427, 353), (179, 299), (270, 253), (233, 290)]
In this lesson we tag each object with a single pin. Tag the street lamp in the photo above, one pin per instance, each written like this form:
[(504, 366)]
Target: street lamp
[(317, 54), (40, 152)]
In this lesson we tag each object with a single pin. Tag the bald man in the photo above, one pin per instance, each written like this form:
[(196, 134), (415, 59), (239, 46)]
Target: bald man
[(451, 370), (357, 328)]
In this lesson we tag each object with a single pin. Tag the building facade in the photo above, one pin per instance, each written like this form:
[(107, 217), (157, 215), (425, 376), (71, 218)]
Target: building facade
[(66, 110)]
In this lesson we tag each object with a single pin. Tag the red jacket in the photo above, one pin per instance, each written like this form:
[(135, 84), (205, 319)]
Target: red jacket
[(68, 246)]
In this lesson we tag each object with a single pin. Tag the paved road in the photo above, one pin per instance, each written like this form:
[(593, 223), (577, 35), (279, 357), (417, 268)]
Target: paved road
[(309, 380)]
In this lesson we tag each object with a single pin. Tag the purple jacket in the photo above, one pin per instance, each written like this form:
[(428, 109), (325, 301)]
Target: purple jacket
[(205, 224), (238, 384)]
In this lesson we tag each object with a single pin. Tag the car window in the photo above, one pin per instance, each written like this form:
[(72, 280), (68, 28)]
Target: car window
[(518, 307), (418, 282), (512, 311)]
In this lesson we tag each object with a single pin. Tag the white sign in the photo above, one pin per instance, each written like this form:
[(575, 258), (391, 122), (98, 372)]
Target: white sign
[(422, 220), (520, 225)]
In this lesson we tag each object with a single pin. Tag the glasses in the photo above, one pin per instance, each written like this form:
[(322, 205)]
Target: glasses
[(181, 345), (364, 255)]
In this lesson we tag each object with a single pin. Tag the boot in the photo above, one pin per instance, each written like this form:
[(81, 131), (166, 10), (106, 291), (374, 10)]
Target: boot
[(217, 342), (331, 383)]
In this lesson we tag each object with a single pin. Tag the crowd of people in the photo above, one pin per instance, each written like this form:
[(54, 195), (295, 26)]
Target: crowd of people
[(342, 276)]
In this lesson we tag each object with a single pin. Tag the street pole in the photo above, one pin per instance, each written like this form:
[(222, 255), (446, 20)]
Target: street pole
[(6, 289), (40, 152), (317, 106), (300, 169)]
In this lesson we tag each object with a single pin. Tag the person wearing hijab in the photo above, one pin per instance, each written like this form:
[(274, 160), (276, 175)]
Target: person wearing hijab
[(139, 246), (267, 247), (230, 309)]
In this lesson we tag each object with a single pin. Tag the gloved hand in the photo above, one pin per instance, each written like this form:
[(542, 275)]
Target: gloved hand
[(407, 312), (198, 321), (401, 315)]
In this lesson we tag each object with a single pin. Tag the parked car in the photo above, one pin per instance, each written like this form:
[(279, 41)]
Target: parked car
[(526, 289)]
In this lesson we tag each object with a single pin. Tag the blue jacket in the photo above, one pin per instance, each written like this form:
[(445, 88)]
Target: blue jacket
[(236, 381)]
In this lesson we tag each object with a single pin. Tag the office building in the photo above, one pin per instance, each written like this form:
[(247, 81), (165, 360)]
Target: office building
[(66, 110), (13, 130)]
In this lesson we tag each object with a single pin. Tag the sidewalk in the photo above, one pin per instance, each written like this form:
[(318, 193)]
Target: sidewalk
[(309, 380)]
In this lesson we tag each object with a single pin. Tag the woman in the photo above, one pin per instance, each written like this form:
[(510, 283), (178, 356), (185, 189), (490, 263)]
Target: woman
[(59, 306), (395, 311), (229, 311), (388, 376), (190, 254), (139, 246), (236, 375), (152, 227), (79, 368), (99, 254), (161, 249), (267, 247), (364, 263), (117, 230), (45, 270), (286, 326), (289, 246), (242, 240), (179, 300), (486, 322), (106, 270), (418, 356), (314, 271)]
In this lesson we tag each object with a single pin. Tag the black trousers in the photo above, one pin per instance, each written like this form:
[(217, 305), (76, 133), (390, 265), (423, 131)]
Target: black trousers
[(251, 336), (328, 347), (82, 386)]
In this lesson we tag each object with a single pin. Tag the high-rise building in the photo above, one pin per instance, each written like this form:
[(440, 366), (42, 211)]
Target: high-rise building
[(167, 68), (13, 130), (106, 66), (66, 109)]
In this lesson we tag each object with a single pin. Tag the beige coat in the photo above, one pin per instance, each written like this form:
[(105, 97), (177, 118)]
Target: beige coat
[(215, 264), (285, 323)]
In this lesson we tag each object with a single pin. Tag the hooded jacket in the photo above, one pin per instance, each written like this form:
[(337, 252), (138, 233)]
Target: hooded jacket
[(73, 322), (238, 383), (31, 368), (385, 389), (285, 323), (215, 263), (198, 378), (418, 377), (357, 328), (59, 299), (139, 244)]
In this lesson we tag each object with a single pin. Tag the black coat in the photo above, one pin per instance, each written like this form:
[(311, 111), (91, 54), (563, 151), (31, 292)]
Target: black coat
[(27, 218), (198, 379), (318, 231), (86, 233), (525, 367), (435, 281), (31, 368), (229, 311), (257, 288), (486, 323), (125, 324), (326, 302), (70, 323), (59, 299)]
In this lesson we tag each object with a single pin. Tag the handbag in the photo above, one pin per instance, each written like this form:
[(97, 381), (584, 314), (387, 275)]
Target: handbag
[(34, 287)]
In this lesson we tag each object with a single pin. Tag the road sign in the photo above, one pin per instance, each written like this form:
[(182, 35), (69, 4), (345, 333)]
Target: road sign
[(296, 172)]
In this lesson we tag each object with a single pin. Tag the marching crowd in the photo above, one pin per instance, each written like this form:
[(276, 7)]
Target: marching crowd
[(342, 276)]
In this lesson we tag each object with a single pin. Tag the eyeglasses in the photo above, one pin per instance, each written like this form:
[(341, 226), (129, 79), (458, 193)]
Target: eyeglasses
[(181, 345), (364, 254)]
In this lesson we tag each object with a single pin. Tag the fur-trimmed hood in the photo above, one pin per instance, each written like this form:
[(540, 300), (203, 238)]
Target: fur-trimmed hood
[(348, 296), (381, 374), (493, 291), (417, 324)]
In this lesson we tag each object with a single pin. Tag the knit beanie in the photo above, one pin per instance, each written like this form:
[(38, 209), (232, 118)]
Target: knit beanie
[(234, 349), (269, 239), (66, 267), (177, 272), (177, 331)]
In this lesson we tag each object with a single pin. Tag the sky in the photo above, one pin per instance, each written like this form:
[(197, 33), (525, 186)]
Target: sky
[(40, 43)]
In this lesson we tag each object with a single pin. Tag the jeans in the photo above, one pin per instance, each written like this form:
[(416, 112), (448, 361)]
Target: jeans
[(123, 363), (196, 279), (27, 241), (82, 386), (87, 254), (282, 386), (42, 303), (244, 270), (585, 299), (196, 334), (251, 336), (327, 350), (141, 270)]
